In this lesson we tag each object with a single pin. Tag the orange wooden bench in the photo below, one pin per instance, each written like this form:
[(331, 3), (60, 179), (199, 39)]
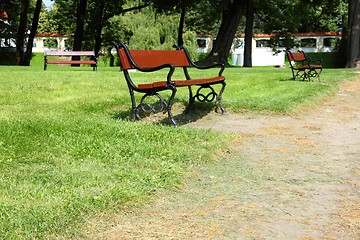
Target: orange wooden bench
[(303, 67), (56, 60), (147, 61)]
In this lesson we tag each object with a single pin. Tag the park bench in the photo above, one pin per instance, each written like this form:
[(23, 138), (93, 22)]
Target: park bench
[(146, 61), (303, 67), (52, 57)]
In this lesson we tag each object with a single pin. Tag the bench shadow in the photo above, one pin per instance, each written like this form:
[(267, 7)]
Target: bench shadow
[(197, 112), (180, 116), (296, 80)]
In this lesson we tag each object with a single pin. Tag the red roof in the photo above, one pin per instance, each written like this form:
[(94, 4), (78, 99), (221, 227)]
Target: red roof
[(52, 35), (262, 35)]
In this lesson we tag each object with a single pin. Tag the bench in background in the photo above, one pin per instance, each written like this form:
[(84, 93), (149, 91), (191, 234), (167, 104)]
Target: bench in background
[(303, 67), (58, 60), (146, 61)]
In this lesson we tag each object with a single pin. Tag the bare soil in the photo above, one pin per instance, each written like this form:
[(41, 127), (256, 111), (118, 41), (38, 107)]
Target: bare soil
[(284, 177)]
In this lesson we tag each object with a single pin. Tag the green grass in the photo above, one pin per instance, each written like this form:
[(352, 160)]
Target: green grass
[(68, 151)]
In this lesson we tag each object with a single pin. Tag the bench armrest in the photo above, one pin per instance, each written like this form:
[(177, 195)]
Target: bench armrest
[(215, 65), (154, 69)]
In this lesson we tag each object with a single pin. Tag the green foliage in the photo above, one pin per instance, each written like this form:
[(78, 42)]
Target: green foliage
[(62, 17), (300, 16), (204, 16), (329, 59), (147, 30)]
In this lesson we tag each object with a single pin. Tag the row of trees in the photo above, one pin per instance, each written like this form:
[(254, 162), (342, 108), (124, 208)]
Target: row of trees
[(95, 23)]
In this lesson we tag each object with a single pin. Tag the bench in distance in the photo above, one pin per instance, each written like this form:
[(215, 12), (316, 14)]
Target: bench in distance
[(91, 61)]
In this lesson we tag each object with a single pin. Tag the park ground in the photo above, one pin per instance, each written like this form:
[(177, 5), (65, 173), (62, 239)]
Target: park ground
[(294, 176)]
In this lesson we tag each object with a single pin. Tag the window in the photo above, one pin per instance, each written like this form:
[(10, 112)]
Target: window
[(308, 42), (201, 43), (330, 42), (50, 43), (262, 43)]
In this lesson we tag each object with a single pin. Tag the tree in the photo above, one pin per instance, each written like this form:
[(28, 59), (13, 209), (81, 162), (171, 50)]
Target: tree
[(62, 17), (174, 6), (353, 43), (204, 17), (80, 20), (9, 20), (101, 11), (34, 26), (20, 42), (19, 24), (249, 33), (230, 21)]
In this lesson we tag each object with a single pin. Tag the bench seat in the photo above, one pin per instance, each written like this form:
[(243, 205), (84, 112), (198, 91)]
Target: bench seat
[(182, 83), (302, 67), (71, 62)]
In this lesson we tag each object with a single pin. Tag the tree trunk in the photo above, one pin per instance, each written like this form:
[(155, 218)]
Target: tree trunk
[(99, 14), (21, 32), (230, 21), (249, 33), (111, 57), (353, 46), (33, 30), (79, 31), (181, 27)]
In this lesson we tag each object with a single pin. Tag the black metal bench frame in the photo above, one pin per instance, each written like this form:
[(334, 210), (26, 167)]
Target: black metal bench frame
[(154, 60), (304, 67)]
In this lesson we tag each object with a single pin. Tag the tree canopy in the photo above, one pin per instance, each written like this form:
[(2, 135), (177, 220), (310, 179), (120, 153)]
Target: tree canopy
[(186, 17)]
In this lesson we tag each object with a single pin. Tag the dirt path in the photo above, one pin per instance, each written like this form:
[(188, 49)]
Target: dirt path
[(288, 177)]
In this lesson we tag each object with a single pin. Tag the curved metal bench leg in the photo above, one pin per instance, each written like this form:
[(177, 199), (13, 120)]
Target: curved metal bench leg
[(219, 98), (169, 106), (191, 104)]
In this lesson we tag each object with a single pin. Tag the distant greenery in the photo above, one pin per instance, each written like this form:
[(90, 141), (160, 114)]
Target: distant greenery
[(38, 59), (329, 58), (148, 30), (68, 151)]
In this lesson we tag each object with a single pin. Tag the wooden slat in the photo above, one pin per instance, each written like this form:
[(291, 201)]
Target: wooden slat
[(152, 85), (303, 67), (298, 56), (155, 58), (70, 62), (182, 83), (71, 53)]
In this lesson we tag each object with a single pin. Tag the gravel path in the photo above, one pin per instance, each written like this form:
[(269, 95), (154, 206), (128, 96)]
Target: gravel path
[(286, 177)]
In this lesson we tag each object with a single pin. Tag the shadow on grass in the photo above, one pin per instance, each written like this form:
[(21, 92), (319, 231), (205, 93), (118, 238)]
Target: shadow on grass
[(181, 117)]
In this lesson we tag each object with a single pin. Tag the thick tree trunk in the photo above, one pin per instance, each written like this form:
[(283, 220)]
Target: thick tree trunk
[(249, 33), (230, 21), (21, 32), (79, 31), (353, 46), (33, 30)]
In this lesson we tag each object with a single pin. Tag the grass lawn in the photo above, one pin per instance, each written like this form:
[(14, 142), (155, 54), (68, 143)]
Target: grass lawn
[(68, 151)]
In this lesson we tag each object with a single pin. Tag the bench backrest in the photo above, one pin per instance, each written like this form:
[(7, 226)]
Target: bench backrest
[(298, 56), (153, 58), (71, 53)]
